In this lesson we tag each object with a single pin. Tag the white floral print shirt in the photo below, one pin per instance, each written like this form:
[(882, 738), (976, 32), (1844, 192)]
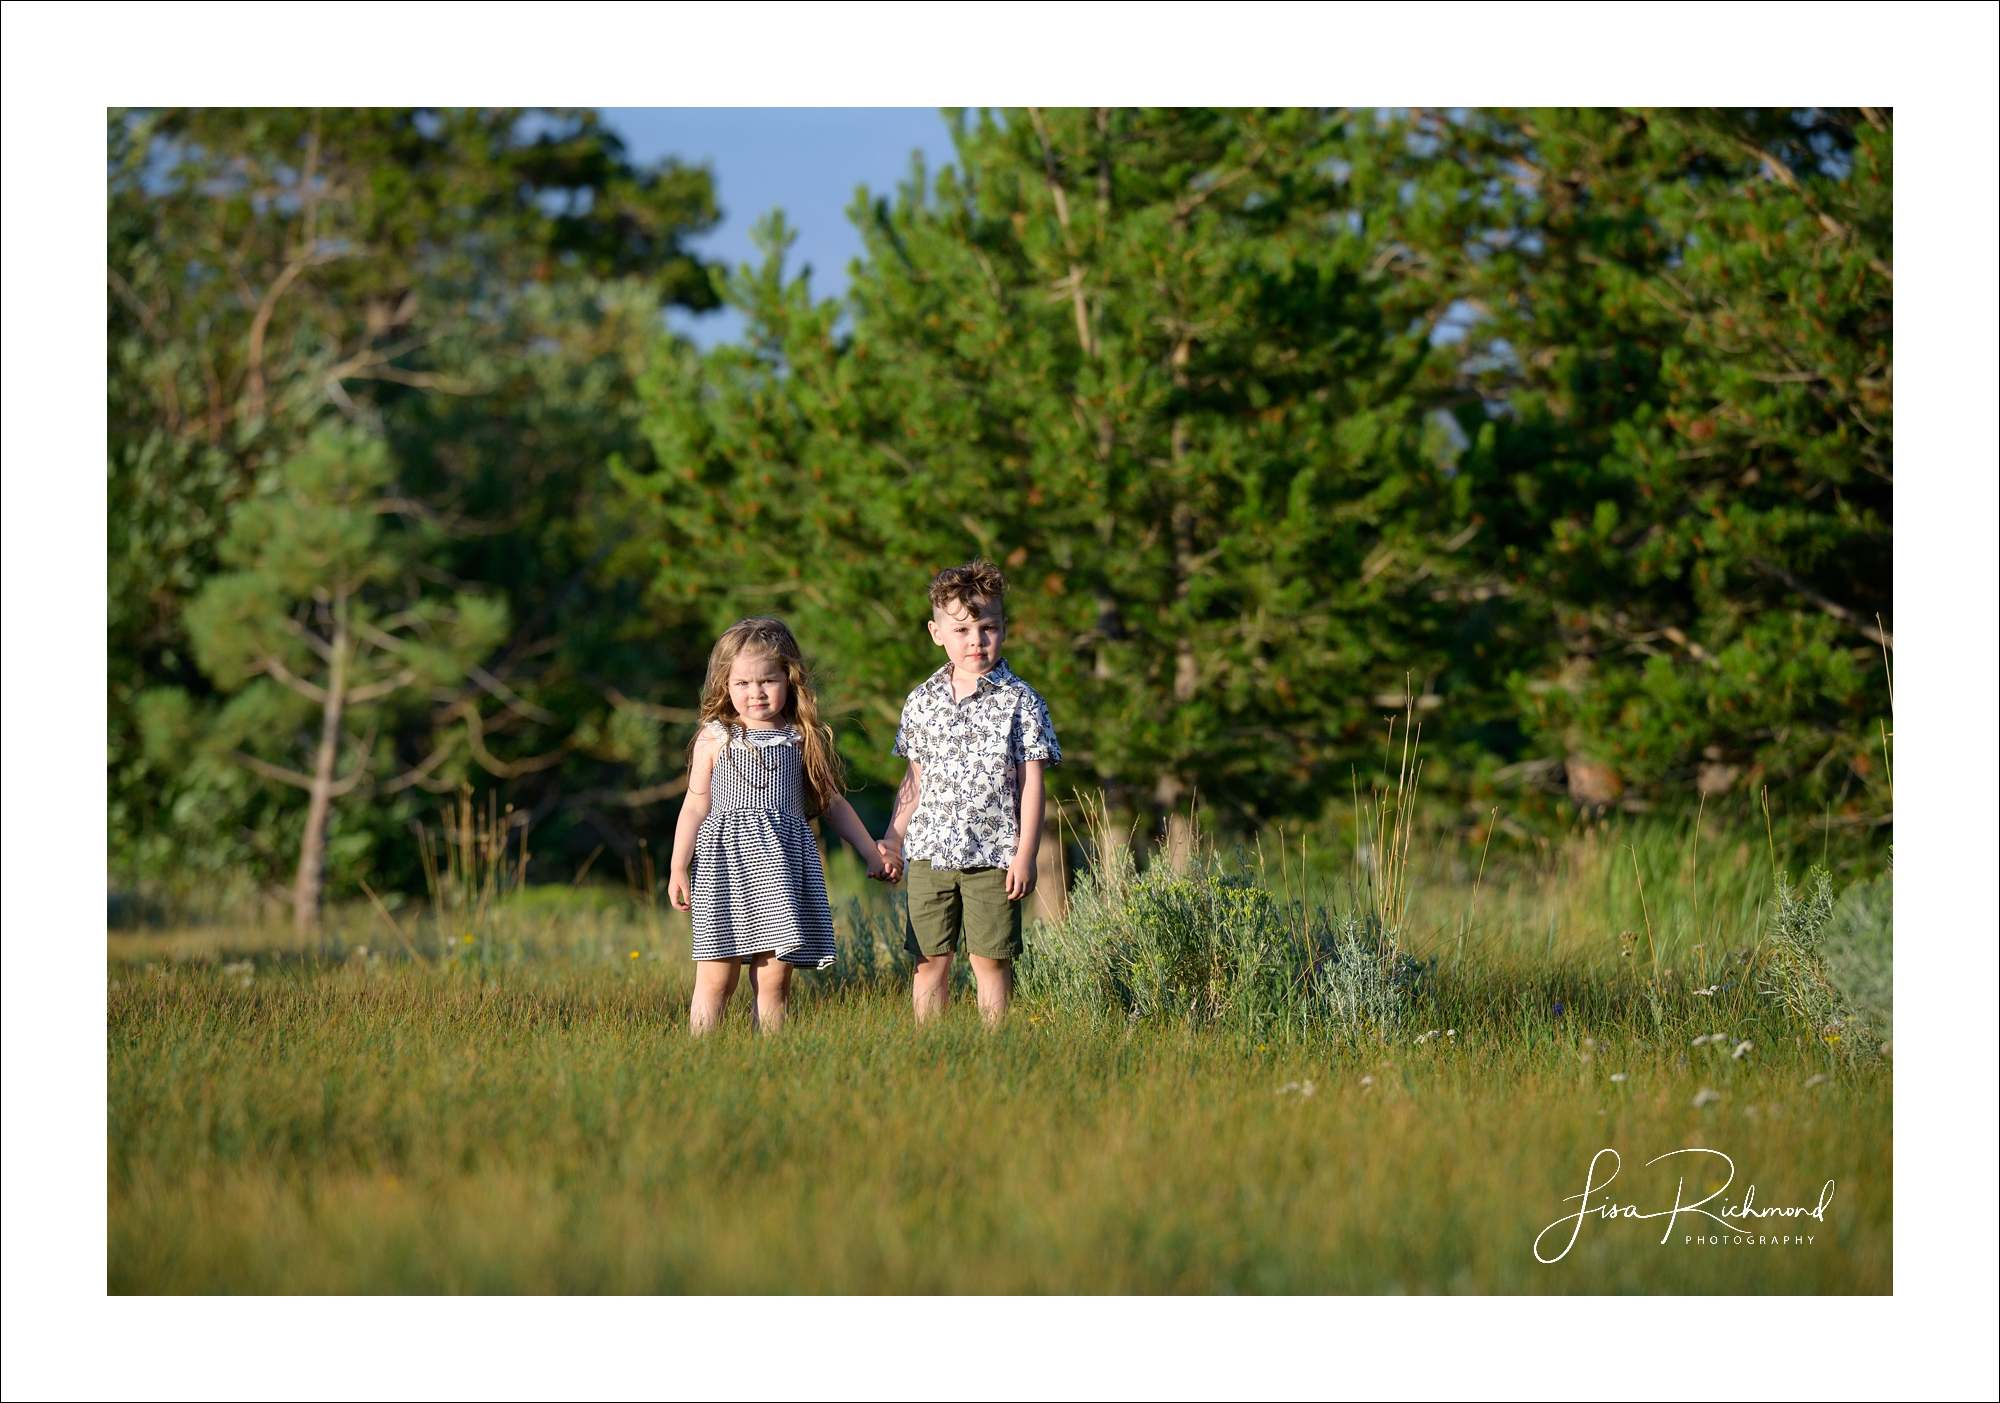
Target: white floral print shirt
[(969, 812)]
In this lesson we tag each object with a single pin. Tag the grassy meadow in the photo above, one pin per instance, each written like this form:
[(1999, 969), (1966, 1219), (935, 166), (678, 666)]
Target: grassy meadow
[(507, 1100)]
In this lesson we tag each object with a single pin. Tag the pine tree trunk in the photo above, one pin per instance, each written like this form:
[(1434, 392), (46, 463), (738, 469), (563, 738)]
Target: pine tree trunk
[(1052, 867), (1180, 841), (312, 846)]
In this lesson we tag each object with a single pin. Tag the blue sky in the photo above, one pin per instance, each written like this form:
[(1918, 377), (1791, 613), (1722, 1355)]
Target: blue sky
[(805, 160)]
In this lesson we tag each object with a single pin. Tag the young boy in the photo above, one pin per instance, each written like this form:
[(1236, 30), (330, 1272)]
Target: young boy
[(968, 817)]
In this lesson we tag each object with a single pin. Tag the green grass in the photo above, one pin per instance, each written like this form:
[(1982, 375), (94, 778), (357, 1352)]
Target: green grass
[(531, 1115)]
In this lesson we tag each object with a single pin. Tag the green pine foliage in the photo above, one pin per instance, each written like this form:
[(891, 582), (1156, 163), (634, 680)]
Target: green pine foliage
[(328, 647), (1673, 374), (1577, 423), (1138, 359), (474, 287)]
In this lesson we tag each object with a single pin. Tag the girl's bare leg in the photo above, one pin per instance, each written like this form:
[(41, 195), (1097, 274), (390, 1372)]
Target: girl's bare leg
[(771, 983), (714, 982)]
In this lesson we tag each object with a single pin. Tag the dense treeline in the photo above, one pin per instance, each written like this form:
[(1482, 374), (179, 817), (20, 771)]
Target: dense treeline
[(1579, 422)]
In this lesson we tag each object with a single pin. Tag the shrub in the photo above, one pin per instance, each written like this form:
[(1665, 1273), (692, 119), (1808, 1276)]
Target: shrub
[(1212, 946), (1795, 972), (1860, 950)]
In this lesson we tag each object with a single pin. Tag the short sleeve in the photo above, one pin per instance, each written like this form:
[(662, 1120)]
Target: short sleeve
[(1038, 733), (909, 733)]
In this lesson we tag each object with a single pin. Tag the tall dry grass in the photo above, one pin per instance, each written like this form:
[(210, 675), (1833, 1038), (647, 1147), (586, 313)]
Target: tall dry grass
[(524, 1111)]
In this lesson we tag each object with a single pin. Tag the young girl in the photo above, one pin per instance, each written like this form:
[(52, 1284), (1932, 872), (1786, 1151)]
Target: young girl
[(761, 764)]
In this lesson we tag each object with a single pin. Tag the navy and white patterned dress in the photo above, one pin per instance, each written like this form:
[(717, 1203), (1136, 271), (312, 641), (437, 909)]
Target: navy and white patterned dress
[(756, 882)]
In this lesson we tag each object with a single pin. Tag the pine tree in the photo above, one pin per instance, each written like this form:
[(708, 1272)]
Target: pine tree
[(320, 632), (1140, 359), (1674, 373)]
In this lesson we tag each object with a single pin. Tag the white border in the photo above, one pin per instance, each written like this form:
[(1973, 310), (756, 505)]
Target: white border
[(64, 63)]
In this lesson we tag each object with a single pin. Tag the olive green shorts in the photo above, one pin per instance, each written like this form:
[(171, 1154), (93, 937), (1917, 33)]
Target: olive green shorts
[(968, 908)]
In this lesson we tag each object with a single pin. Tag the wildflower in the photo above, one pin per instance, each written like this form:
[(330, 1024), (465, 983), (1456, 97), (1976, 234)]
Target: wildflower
[(1368, 1081), (1709, 992), (1618, 1076), (1426, 1037), (1451, 1032), (1288, 1088), (635, 954), (1306, 1088), (1743, 1050), (1821, 1080), (1707, 1096), (1557, 1008)]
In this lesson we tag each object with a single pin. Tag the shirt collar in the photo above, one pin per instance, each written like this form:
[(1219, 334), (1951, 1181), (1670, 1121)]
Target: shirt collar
[(998, 676)]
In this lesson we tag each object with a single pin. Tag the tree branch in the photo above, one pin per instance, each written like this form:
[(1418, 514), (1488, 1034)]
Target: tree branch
[(417, 774), (475, 735), (1813, 596), (1073, 284), (677, 715), (652, 794), (515, 703), (376, 690), (1785, 176), (271, 667), (270, 771), (630, 798)]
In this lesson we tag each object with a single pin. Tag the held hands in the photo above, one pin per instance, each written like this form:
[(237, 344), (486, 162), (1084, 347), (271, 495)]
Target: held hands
[(888, 864), (677, 890), (1020, 876)]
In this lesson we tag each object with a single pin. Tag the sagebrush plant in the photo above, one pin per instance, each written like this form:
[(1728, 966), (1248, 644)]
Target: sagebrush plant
[(1208, 944), (1794, 970), (1361, 984), (1860, 950)]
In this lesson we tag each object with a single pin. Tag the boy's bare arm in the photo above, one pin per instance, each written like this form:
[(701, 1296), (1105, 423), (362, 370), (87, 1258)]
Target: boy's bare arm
[(907, 796), (1021, 874)]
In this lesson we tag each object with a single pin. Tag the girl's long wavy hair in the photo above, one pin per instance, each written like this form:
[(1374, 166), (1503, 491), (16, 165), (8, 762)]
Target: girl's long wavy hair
[(826, 779)]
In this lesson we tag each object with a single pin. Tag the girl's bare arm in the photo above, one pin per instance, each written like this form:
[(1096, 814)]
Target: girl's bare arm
[(694, 808), (848, 825)]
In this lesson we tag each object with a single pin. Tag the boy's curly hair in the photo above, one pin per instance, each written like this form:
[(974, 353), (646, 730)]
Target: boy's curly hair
[(970, 585)]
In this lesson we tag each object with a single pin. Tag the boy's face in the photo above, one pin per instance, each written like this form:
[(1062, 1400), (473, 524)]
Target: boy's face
[(971, 638)]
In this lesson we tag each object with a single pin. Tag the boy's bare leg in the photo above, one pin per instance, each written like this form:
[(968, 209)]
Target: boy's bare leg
[(996, 987), (714, 982), (932, 985), (771, 983)]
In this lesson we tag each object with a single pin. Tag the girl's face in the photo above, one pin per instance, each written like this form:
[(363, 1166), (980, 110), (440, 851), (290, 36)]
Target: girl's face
[(758, 688)]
